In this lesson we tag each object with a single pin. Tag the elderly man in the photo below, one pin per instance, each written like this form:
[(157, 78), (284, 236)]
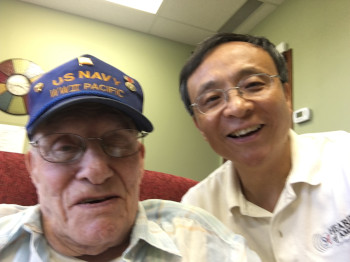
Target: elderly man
[(86, 163), (287, 194)]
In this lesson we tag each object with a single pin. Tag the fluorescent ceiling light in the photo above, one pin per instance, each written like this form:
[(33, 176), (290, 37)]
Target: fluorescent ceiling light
[(150, 6)]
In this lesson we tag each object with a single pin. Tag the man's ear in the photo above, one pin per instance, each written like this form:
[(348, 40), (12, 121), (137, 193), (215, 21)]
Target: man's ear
[(288, 94), (142, 164), (28, 160), (197, 124), (142, 150)]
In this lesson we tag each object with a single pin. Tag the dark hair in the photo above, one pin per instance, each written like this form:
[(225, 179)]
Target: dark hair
[(207, 45)]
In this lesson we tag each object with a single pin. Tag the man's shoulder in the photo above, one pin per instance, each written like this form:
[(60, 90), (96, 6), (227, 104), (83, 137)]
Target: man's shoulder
[(212, 185), (169, 210), (15, 215), (333, 142), (339, 136), (169, 214), (13, 218), (7, 210), (192, 228)]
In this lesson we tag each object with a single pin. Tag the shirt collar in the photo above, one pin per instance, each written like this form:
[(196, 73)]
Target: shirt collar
[(305, 167), (20, 220), (30, 221), (151, 233), (305, 154), (234, 196)]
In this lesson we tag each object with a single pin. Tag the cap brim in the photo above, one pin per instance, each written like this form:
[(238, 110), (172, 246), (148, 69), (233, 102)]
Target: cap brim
[(141, 122)]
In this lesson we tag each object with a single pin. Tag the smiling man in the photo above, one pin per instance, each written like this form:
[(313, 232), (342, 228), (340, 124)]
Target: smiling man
[(275, 184), (87, 162)]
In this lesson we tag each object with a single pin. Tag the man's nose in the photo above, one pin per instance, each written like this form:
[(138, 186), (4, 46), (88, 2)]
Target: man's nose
[(236, 104), (95, 165)]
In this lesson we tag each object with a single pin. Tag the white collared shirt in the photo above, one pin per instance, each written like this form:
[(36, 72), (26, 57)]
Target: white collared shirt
[(311, 221)]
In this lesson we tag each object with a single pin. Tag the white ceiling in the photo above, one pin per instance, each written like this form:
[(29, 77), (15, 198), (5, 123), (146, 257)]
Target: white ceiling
[(185, 21)]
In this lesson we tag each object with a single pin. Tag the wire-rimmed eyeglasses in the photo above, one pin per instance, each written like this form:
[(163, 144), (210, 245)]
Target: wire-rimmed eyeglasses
[(249, 87), (67, 147)]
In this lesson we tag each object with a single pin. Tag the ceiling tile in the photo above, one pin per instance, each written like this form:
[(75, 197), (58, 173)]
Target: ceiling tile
[(185, 21), (205, 14), (179, 32), (255, 18), (102, 10)]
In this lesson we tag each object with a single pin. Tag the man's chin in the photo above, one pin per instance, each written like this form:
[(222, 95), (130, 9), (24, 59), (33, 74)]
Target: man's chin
[(96, 240)]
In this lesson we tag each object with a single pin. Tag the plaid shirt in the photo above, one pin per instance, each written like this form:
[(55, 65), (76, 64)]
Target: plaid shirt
[(163, 231)]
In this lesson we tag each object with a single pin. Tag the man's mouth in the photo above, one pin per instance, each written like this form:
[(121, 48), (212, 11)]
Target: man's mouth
[(95, 200), (245, 132)]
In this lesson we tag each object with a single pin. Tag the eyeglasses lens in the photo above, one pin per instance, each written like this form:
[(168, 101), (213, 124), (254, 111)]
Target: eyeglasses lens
[(249, 88), (64, 148)]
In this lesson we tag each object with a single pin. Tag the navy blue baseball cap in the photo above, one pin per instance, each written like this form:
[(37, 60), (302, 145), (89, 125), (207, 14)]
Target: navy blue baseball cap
[(85, 79)]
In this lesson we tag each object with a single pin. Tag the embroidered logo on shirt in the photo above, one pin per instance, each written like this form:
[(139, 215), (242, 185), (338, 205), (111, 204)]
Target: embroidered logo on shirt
[(336, 235)]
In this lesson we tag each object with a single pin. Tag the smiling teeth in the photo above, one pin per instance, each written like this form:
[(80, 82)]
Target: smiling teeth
[(245, 131)]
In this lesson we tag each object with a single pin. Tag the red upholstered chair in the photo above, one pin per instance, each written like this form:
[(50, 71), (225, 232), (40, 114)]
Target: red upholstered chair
[(17, 188)]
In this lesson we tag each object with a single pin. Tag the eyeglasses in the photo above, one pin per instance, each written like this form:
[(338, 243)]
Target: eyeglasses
[(66, 147), (249, 87)]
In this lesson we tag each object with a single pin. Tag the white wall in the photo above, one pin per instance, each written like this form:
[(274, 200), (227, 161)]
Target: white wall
[(50, 38)]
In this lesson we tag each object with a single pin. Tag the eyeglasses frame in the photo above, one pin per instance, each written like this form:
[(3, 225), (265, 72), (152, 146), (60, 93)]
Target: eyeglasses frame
[(232, 88), (35, 143)]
